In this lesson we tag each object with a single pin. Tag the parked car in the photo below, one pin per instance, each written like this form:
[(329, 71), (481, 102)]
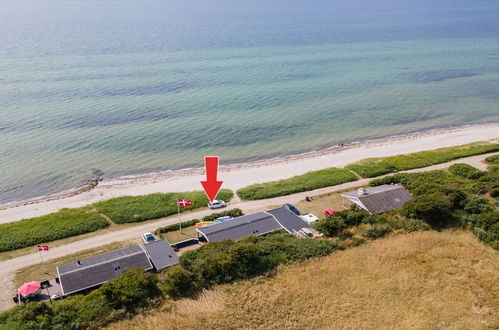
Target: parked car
[(309, 217), (292, 208), (216, 204), (148, 238)]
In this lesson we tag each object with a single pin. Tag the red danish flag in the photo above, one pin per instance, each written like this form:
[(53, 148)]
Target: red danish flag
[(183, 202)]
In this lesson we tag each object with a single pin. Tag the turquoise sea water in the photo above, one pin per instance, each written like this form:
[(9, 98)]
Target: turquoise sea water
[(135, 87)]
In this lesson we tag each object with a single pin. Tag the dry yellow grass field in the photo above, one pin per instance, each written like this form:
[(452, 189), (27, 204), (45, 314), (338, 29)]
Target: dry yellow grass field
[(424, 280)]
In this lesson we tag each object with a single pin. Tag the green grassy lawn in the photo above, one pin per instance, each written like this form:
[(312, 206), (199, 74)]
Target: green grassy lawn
[(372, 167), (50, 227), (177, 236), (309, 181), (140, 208)]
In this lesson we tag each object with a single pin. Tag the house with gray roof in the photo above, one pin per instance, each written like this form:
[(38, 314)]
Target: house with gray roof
[(257, 224), (87, 274), (376, 200), (161, 254)]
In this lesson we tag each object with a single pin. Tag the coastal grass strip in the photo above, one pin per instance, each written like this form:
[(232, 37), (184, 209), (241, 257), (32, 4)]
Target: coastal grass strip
[(493, 160), (309, 181), (62, 224), (372, 167), (153, 206)]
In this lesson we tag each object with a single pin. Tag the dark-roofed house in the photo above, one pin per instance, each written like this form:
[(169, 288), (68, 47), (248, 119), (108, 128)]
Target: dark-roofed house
[(258, 224), (379, 199), (161, 254), (89, 273)]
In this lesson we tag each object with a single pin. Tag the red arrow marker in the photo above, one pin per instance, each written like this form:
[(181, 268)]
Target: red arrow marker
[(211, 185)]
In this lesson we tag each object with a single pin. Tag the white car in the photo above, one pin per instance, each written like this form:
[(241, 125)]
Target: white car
[(216, 204), (148, 238), (309, 217)]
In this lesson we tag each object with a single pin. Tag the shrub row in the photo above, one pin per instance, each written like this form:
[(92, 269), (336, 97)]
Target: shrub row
[(141, 208), (492, 159), (369, 168), (309, 181), (466, 171), (376, 226), (227, 261), (50, 227), (136, 291), (233, 213)]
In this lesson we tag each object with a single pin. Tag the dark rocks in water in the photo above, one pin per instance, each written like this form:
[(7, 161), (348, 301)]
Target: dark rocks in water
[(97, 172)]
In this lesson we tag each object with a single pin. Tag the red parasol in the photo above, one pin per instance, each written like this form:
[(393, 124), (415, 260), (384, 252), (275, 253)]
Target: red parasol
[(29, 288)]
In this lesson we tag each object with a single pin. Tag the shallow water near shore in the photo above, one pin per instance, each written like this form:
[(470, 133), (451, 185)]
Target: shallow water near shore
[(134, 90)]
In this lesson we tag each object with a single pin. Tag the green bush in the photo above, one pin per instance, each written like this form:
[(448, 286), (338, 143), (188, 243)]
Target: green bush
[(434, 209), (466, 171), (175, 226), (178, 282), (492, 159), (410, 225), (233, 213), (421, 183), (132, 289), (486, 227), (476, 204), (140, 208), (331, 226), (227, 261), (377, 231), (309, 181), (369, 168), (51, 227)]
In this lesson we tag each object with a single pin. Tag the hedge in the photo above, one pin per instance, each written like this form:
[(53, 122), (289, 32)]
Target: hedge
[(492, 159), (50, 227), (228, 261), (372, 167), (466, 171), (309, 181), (233, 213), (141, 208)]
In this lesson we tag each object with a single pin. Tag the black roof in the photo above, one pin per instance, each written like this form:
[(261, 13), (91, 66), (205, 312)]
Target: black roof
[(380, 199), (161, 254), (94, 271), (258, 223), (288, 220)]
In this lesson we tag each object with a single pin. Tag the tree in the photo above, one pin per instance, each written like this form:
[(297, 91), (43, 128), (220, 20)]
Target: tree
[(434, 209), (331, 226), (178, 282), (132, 289), (476, 204)]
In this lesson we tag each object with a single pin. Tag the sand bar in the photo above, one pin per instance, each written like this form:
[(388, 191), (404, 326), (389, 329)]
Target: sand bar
[(236, 176)]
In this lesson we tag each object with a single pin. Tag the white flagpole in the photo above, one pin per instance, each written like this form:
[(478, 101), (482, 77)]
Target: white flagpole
[(43, 263), (178, 210)]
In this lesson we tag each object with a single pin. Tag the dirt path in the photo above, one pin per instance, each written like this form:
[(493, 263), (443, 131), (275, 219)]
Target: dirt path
[(9, 267)]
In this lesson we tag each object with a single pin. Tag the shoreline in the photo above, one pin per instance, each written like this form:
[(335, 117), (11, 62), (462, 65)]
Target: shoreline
[(237, 175)]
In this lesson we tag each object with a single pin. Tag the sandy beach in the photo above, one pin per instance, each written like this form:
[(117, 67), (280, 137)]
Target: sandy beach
[(236, 176)]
